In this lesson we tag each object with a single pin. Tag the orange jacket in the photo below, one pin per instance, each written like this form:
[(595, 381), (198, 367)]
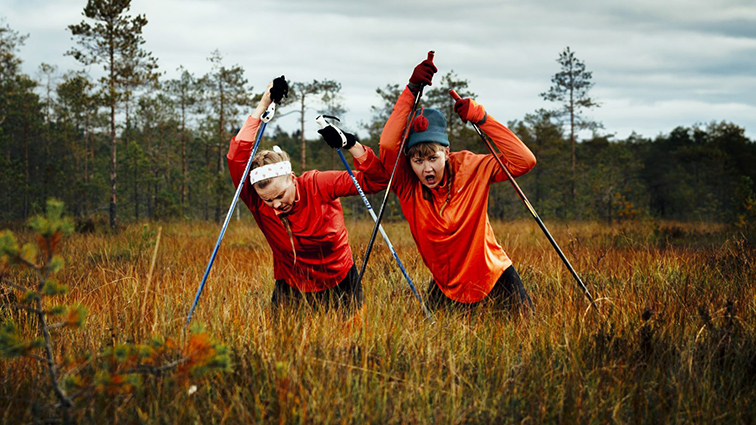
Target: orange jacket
[(317, 219), (458, 246)]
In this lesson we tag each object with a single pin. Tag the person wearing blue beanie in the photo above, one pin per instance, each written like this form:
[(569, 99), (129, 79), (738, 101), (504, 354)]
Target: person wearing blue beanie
[(444, 197)]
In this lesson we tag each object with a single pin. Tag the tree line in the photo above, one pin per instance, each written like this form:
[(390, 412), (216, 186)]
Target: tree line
[(133, 145)]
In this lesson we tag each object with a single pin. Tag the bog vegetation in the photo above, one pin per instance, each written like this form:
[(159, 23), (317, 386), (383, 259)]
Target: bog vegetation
[(674, 340), (91, 321)]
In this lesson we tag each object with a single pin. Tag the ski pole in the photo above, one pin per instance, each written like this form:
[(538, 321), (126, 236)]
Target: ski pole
[(410, 116), (530, 208), (323, 123), (282, 90)]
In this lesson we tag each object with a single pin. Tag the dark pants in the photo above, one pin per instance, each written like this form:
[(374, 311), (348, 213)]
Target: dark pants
[(507, 294), (347, 294)]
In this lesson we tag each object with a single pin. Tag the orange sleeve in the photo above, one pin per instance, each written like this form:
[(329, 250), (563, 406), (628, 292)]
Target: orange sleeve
[(368, 171), (391, 138), (514, 154), (239, 151)]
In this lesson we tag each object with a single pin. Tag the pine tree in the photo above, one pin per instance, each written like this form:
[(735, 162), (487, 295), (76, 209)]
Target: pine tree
[(302, 92), (114, 40), (570, 87), (76, 113), (225, 89), (20, 123), (185, 93)]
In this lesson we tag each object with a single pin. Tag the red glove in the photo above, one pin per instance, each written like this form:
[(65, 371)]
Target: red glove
[(423, 73), (469, 110)]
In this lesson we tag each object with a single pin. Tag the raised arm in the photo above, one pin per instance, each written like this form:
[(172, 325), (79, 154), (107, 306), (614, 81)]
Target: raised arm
[(368, 169), (514, 154), (241, 145), (391, 136)]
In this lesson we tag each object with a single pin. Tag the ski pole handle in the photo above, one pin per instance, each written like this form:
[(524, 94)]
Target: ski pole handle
[(454, 95), (321, 121), (268, 114), (431, 55)]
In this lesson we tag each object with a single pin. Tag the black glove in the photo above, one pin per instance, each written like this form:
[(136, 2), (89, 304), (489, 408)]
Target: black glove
[(279, 90), (334, 140)]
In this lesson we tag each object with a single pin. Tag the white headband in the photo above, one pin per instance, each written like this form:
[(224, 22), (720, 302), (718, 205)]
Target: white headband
[(269, 171)]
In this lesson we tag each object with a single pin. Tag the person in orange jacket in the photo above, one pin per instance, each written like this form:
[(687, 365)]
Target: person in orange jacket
[(301, 216), (444, 197)]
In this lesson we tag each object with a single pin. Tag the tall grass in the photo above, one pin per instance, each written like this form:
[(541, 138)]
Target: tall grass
[(674, 340)]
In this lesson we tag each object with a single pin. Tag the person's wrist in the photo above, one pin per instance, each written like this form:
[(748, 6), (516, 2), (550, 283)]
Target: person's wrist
[(259, 110), (351, 140), (358, 151)]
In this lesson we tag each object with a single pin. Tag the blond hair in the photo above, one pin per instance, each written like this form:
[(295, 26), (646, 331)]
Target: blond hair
[(267, 157)]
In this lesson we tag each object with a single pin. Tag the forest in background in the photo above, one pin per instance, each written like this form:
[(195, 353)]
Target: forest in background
[(134, 145), (91, 324)]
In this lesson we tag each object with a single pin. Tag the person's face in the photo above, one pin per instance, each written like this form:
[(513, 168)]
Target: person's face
[(279, 194), (430, 169)]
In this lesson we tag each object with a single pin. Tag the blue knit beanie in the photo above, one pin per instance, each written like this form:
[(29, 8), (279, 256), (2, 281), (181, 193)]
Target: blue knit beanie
[(429, 125)]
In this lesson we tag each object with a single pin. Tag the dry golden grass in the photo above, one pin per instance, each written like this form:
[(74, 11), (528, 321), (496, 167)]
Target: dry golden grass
[(674, 340)]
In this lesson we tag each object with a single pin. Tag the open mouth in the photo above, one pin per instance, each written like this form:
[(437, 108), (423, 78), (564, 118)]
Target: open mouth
[(430, 180)]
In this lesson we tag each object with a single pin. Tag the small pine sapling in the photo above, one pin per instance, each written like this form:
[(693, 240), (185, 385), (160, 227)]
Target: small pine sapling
[(118, 369)]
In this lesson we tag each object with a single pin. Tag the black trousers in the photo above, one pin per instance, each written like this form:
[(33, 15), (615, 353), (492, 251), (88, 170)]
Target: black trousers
[(507, 294), (347, 294)]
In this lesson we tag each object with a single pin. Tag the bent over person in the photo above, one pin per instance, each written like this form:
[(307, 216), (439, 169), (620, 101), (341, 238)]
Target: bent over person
[(301, 216), (444, 197)]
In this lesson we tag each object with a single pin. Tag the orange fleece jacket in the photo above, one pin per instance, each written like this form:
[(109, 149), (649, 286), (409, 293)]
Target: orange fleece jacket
[(458, 246)]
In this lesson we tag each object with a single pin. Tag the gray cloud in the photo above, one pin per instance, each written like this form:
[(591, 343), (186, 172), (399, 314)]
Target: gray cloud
[(656, 64)]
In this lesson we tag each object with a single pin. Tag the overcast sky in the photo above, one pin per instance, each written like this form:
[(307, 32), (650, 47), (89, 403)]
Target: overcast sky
[(656, 64)]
